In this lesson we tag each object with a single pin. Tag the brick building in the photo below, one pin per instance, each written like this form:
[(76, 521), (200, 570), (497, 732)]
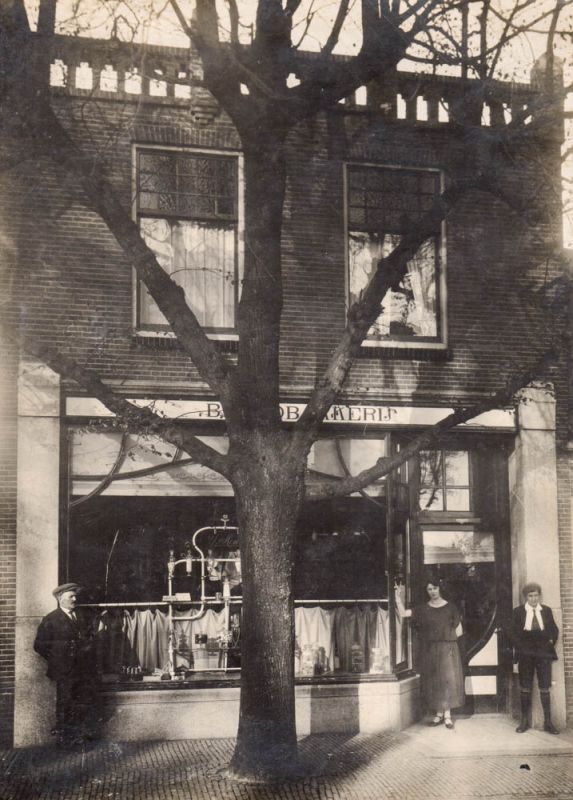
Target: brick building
[(488, 510)]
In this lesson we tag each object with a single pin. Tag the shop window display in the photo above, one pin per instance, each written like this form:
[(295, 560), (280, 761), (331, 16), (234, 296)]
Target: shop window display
[(120, 548)]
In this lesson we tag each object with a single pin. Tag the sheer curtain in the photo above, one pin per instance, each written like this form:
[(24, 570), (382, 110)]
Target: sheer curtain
[(200, 257), (413, 306)]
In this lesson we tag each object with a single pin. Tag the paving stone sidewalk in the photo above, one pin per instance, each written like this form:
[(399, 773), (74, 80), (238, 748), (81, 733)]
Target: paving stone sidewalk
[(481, 758)]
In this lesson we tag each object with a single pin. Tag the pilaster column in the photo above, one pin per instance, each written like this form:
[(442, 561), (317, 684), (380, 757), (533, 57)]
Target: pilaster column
[(37, 547), (534, 532)]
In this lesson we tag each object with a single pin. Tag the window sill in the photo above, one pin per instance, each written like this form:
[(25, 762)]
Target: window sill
[(447, 517), (141, 341), (406, 353), (233, 680)]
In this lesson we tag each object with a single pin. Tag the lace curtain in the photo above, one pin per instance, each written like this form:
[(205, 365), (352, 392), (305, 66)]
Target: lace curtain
[(200, 257)]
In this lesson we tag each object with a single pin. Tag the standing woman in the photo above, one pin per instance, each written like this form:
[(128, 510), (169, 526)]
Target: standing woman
[(439, 627)]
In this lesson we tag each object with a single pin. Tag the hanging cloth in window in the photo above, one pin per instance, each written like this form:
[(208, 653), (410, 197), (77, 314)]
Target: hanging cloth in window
[(314, 629)]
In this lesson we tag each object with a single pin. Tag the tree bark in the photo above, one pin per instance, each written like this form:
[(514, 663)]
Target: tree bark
[(255, 400), (269, 490)]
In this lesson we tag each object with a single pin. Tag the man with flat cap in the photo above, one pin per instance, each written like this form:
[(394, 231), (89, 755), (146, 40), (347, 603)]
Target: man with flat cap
[(63, 639)]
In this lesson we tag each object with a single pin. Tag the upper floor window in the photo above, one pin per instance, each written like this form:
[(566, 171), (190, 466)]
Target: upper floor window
[(188, 214), (444, 480), (383, 203)]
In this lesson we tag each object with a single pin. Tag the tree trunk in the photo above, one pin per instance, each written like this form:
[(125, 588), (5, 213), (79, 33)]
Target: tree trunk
[(255, 400), (268, 494)]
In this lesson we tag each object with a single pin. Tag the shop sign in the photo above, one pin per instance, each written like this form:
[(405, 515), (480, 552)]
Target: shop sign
[(342, 413)]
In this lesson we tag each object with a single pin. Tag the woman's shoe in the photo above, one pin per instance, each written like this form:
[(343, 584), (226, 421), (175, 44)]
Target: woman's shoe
[(437, 720), (450, 724)]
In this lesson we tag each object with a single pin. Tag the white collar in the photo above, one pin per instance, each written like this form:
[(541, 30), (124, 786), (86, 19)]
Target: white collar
[(529, 612)]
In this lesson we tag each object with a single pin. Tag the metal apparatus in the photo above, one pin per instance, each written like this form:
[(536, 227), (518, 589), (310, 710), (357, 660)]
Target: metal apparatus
[(215, 570)]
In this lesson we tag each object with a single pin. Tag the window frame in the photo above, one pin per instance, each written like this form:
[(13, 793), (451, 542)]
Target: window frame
[(155, 332), (441, 341)]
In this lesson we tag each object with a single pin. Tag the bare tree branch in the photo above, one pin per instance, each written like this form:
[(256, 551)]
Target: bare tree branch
[(208, 22), (185, 26), (234, 17), (139, 473), (31, 101), (334, 35), (292, 7), (482, 63), (549, 55), (364, 312), (432, 436), (131, 417)]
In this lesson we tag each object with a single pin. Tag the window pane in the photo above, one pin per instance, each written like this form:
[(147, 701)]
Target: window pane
[(430, 467), (383, 203), (357, 217), (411, 310), (156, 182), (201, 259), (431, 499), (457, 547), (338, 457), (457, 468), (341, 551), (192, 185), (458, 499)]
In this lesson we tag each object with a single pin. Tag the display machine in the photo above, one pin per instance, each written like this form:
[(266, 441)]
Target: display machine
[(213, 553)]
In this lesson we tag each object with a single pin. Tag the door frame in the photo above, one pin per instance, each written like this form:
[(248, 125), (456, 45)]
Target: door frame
[(489, 511)]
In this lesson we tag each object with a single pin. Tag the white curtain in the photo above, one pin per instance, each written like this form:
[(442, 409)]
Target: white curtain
[(314, 629), (200, 257), (415, 305), (328, 636)]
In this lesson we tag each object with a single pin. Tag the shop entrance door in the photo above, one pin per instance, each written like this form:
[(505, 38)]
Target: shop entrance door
[(462, 536)]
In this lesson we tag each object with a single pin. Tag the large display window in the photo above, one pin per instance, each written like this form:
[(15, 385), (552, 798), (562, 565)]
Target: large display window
[(162, 610)]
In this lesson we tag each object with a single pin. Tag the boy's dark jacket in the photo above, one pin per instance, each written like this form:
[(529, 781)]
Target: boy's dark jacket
[(538, 643)]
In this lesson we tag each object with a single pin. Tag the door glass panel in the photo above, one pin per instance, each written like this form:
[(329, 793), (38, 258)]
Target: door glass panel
[(457, 547), (457, 468), (444, 480), (458, 499), (430, 467), (431, 499), (464, 561)]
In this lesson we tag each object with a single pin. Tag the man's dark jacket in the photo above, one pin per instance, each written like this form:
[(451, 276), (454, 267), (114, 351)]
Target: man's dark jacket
[(537, 643), (63, 643)]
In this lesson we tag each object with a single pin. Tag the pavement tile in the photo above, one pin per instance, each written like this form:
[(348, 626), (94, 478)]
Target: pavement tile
[(481, 758)]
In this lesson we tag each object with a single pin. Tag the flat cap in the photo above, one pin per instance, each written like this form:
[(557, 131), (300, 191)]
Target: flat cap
[(66, 587)]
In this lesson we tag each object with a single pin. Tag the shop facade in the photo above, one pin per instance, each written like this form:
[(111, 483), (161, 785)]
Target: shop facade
[(152, 537), (155, 546)]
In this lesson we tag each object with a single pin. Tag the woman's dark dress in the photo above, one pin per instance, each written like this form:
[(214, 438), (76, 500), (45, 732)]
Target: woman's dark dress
[(441, 663)]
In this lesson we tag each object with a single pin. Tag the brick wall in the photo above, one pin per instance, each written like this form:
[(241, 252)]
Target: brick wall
[(8, 423), (83, 285), (565, 500)]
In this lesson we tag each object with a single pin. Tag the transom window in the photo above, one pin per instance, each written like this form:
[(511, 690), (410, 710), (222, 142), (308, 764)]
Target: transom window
[(384, 203), (444, 480), (188, 213)]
